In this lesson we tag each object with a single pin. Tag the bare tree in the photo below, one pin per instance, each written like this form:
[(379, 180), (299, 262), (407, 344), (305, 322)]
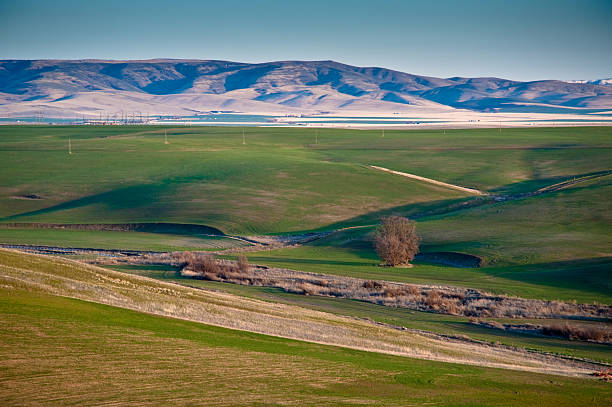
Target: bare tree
[(396, 241)]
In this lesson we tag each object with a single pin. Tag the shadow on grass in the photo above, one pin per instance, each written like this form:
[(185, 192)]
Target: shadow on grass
[(592, 275), (286, 260), (530, 186), (133, 198), (447, 207), (116, 199)]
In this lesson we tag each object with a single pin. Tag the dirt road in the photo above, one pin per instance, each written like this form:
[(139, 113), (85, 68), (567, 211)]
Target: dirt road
[(430, 181)]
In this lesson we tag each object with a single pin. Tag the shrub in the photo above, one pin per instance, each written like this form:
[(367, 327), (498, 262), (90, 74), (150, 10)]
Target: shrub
[(372, 285), (450, 307), (243, 264), (396, 241), (183, 259), (393, 292), (203, 264), (412, 290), (434, 299), (585, 333)]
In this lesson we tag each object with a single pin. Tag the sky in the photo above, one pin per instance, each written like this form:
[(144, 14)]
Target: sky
[(518, 39)]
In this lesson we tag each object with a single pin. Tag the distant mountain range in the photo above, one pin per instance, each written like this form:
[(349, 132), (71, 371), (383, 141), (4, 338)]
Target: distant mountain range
[(605, 82), (90, 87)]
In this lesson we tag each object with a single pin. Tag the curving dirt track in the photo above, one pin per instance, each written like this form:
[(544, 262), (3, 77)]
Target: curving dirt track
[(470, 191)]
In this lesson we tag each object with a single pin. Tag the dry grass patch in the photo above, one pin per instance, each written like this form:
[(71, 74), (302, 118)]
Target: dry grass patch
[(72, 279), (449, 300)]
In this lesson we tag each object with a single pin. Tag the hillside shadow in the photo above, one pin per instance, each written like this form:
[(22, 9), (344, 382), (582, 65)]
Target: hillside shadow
[(326, 262), (530, 186), (591, 274), (247, 77), (412, 211), (444, 207), (116, 199)]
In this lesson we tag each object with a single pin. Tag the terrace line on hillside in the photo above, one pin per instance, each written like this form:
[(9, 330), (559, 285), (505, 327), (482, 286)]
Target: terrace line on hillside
[(429, 180)]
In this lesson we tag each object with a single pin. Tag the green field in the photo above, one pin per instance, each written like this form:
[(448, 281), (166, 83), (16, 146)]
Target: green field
[(280, 181), (204, 176), (128, 357), (115, 240), (554, 245)]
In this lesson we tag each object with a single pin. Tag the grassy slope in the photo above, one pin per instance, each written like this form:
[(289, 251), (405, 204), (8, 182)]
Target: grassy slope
[(126, 357), (583, 281), (281, 182), (206, 176), (439, 323), (52, 275), (572, 223), (515, 160), (276, 183), (554, 246), (115, 240)]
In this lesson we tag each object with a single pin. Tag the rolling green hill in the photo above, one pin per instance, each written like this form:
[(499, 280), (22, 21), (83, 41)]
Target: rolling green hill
[(554, 245), (280, 181)]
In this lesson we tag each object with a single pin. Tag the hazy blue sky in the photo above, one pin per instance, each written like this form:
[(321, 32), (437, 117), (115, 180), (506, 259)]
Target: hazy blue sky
[(524, 40)]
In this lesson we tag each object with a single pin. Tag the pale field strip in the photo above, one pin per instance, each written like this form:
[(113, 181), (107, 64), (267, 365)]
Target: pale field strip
[(429, 180), (72, 279)]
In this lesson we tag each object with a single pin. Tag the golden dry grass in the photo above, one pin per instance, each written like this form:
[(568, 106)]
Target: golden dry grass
[(62, 277)]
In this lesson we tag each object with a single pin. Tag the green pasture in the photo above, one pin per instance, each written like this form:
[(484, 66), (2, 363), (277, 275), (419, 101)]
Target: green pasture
[(115, 239), (554, 246), (66, 352), (280, 181), (275, 183)]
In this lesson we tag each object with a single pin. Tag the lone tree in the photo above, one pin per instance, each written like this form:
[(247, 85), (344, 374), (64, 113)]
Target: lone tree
[(396, 241)]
